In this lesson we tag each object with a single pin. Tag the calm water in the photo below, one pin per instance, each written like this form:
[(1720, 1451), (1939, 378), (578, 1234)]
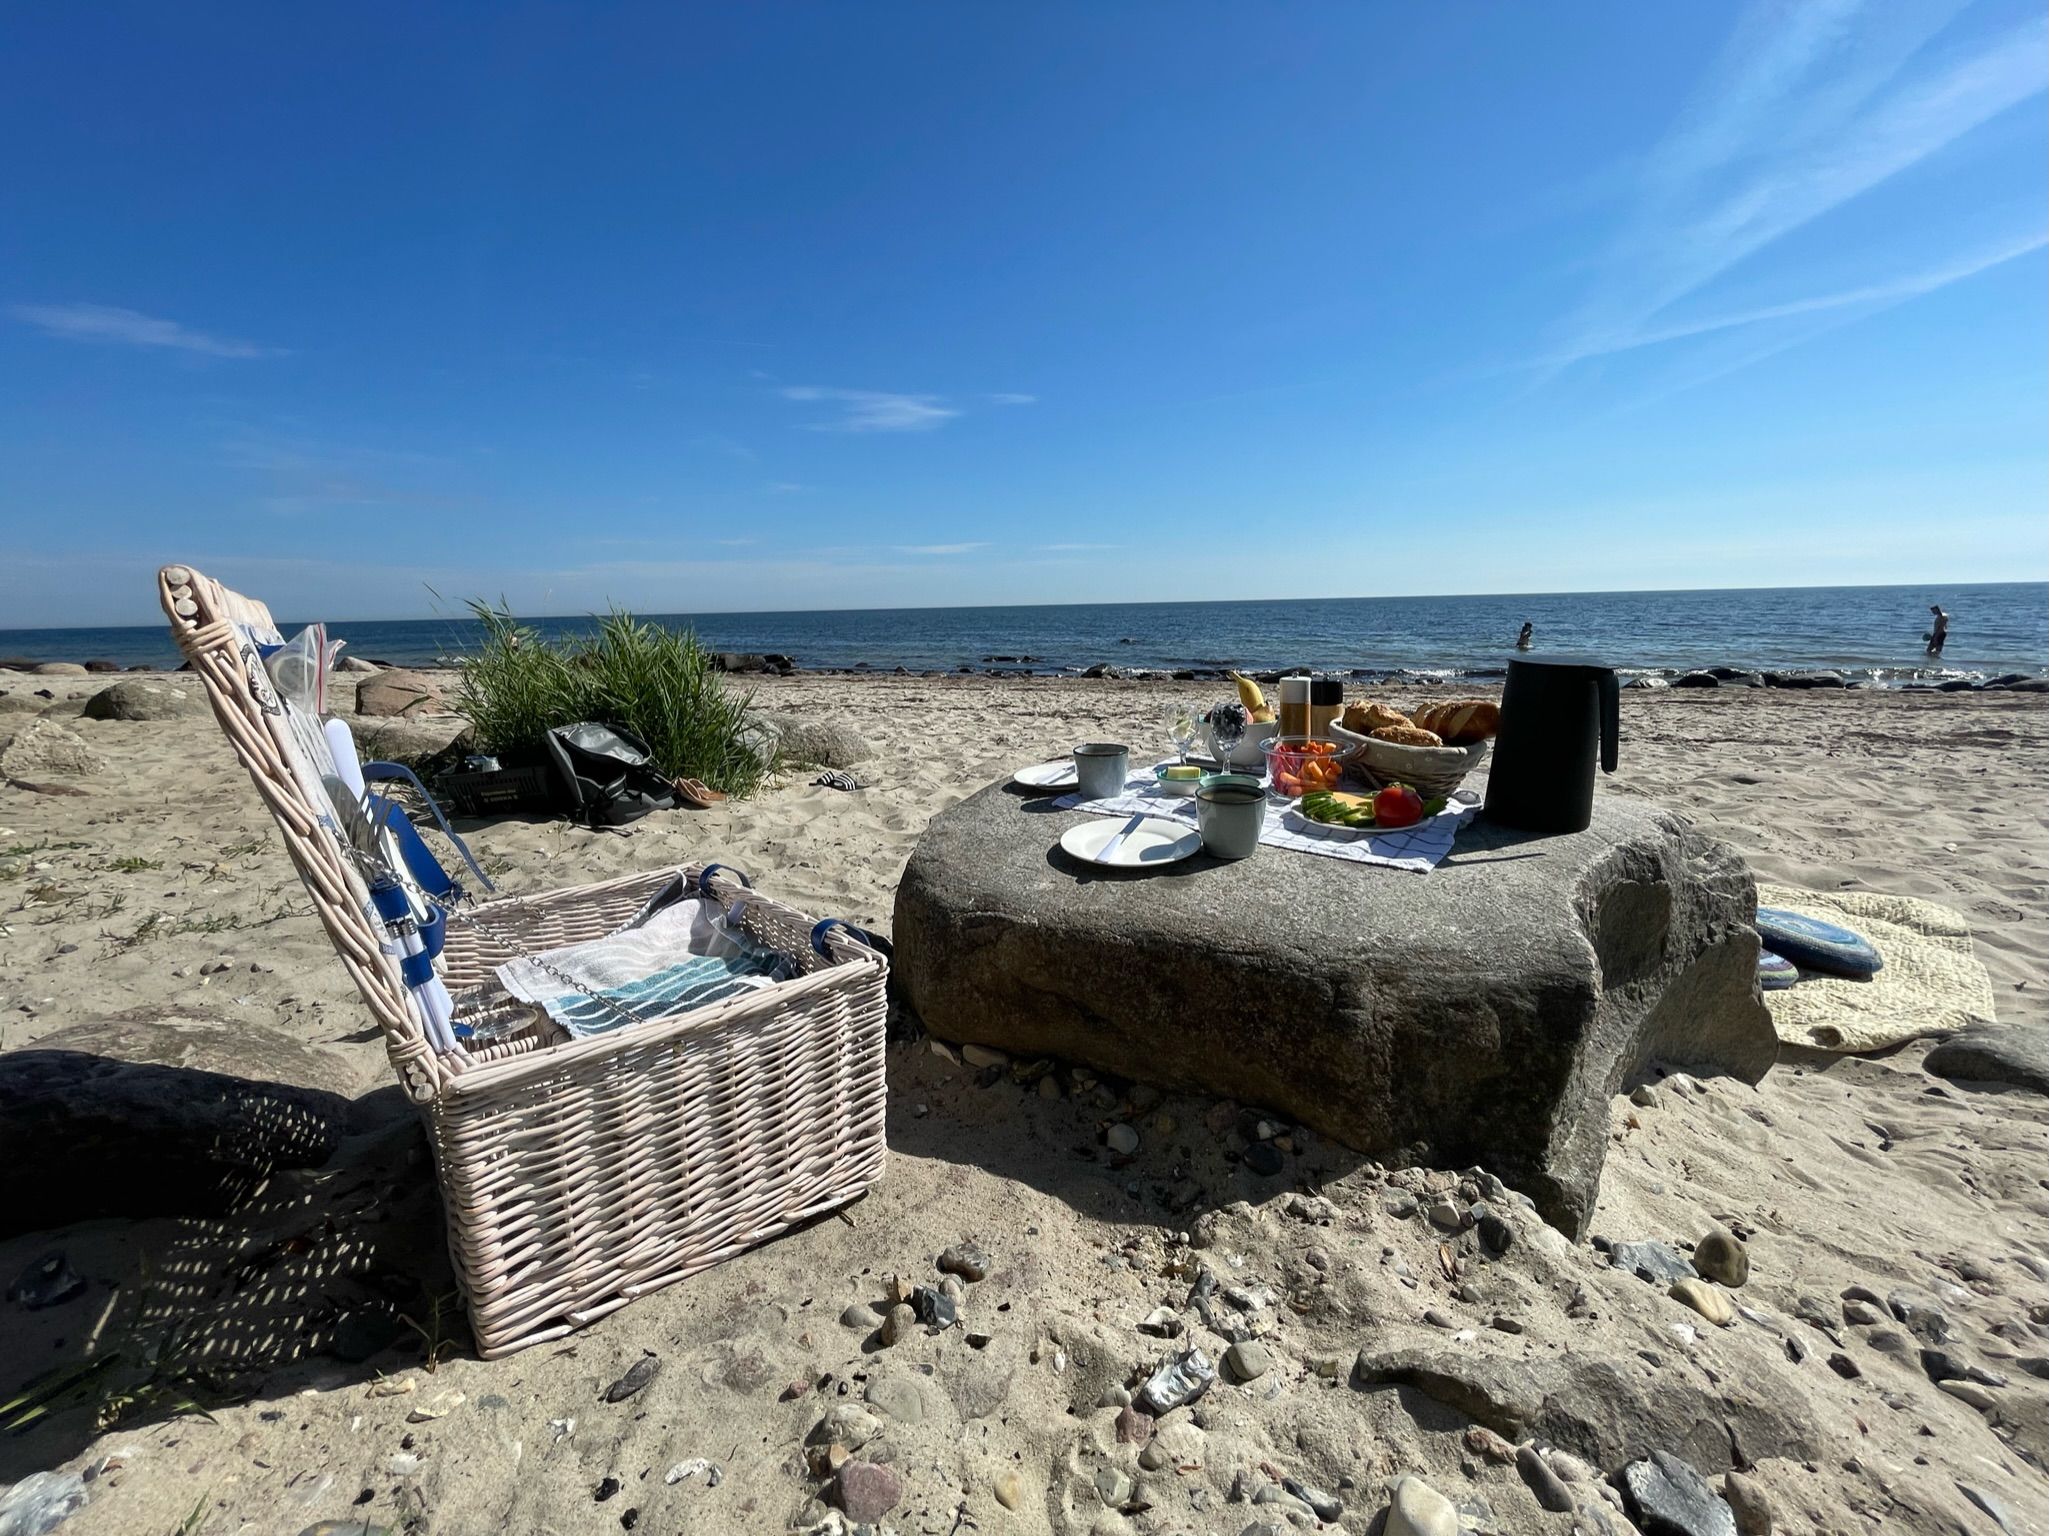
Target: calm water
[(1868, 632)]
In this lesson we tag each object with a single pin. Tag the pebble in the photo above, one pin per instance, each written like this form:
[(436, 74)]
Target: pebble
[(867, 1490), (1134, 1426), (49, 1281), (861, 1317), (1113, 1486), (1666, 1497), (1482, 1441), (1264, 1159), (1447, 1214), (1844, 1366), (1049, 1087), (1980, 1398), (1708, 1300), (1496, 1233), (1248, 1360), (439, 1406), (899, 1322), (637, 1376), (1417, 1509), (898, 1396), (846, 1424), (1400, 1207), (1571, 1469), (1657, 1263), (1009, 1486), (1326, 1507), (403, 1464), (1746, 1500), (1920, 1315), (966, 1260), (1121, 1139), (1862, 1313), (1644, 1096), (1437, 1319), (934, 1307), (1941, 1366), (1161, 1323), (983, 1056), (1721, 1256), (1547, 1485), (697, 1466)]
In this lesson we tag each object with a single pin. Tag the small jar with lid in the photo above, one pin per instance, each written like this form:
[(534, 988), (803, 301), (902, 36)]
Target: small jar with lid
[(1326, 701)]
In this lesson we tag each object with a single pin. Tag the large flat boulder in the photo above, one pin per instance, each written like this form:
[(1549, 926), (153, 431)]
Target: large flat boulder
[(1483, 1013)]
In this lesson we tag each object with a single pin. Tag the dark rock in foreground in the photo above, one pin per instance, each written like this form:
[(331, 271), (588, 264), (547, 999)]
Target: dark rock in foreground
[(84, 1133), (2014, 1054), (1485, 1012)]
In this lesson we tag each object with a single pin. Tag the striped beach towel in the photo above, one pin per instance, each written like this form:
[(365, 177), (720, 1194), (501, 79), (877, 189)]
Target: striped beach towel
[(686, 956)]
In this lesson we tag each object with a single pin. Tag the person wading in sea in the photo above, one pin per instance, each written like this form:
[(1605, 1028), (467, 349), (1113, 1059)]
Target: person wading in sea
[(1527, 638), (1939, 635)]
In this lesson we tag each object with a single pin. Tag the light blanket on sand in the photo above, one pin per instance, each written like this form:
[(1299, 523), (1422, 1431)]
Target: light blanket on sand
[(1932, 983)]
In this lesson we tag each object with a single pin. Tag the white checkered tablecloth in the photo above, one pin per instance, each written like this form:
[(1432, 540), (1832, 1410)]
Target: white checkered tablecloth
[(1420, 848)]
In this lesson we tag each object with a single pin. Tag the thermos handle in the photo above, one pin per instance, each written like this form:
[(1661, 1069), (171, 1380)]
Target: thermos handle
[(1611, 718)]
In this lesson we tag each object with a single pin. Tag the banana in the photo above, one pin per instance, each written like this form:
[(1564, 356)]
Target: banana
[(1250, 696)]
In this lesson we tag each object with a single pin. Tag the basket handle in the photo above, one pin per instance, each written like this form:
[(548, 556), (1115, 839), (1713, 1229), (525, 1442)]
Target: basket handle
[(860, 936), (704, 876)]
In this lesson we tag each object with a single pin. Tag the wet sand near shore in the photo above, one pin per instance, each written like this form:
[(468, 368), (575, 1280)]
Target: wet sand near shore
[(161, 884)]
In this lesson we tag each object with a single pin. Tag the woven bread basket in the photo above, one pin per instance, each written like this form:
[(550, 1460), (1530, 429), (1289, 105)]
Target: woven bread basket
[(1430, 771)]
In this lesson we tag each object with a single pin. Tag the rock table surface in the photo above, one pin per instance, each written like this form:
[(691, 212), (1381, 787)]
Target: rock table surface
[(1484, 1012)]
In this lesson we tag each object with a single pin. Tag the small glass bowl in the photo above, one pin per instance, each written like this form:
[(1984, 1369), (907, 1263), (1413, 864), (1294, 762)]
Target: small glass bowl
[(1296, 765)]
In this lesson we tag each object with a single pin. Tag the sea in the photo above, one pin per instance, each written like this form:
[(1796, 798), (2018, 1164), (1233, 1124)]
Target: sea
[(1870, 634)]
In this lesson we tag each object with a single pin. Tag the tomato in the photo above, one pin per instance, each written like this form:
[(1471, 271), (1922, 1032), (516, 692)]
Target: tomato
[(1397, 806)]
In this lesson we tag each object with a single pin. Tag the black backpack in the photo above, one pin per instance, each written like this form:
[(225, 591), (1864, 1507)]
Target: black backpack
[(607, 775)]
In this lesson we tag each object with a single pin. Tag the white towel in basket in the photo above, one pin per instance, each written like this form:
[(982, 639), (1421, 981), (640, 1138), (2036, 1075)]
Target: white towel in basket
[(686, 955)]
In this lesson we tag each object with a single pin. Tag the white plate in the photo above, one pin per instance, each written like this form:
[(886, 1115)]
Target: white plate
[(1058, 774), (1154, 841)]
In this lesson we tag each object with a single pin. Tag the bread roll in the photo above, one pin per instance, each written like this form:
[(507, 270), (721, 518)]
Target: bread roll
[(1369, 716), (1461, 721), (1408, 736)]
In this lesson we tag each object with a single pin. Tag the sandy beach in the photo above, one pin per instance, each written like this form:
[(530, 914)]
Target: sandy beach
[(139, 874)]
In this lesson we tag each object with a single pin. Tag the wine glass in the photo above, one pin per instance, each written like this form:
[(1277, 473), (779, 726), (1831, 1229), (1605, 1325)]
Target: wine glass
[(1227, 725), (1183, 728)]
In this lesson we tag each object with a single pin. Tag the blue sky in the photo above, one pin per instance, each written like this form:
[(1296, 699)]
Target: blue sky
[(785, 306)]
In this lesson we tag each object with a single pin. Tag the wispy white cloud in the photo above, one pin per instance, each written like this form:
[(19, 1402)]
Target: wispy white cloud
[(1853, 302), (1005, 397), (110, 325), (940, 549), (1810, 106), (874, 410)]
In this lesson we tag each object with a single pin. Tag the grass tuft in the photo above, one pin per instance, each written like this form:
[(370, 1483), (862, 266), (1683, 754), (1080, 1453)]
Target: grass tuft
[(657, 683)]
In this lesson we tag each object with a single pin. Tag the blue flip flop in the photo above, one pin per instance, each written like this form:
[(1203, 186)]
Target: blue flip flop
[(1814, 945), (1775, 973)]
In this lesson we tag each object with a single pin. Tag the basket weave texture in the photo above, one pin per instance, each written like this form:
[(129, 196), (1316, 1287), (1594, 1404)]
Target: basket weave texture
[(1430, 771), (577, 1175)]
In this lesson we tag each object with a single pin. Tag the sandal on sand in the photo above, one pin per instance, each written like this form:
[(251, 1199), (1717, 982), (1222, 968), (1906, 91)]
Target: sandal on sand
[(696, 794), (834, 778)]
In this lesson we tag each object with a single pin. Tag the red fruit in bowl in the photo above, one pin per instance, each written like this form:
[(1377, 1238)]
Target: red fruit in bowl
[(1397, 806)]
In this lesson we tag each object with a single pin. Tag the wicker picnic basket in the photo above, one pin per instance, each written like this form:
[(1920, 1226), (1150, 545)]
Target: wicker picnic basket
[(580, 1174)]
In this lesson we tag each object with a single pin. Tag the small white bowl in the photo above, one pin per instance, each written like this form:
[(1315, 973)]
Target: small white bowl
[(1176, 786)]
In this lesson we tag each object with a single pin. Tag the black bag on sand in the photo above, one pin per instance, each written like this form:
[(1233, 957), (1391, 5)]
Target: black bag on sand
[(607, 773)]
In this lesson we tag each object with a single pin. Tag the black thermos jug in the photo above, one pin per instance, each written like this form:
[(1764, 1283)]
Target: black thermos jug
[(1551, 712)]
